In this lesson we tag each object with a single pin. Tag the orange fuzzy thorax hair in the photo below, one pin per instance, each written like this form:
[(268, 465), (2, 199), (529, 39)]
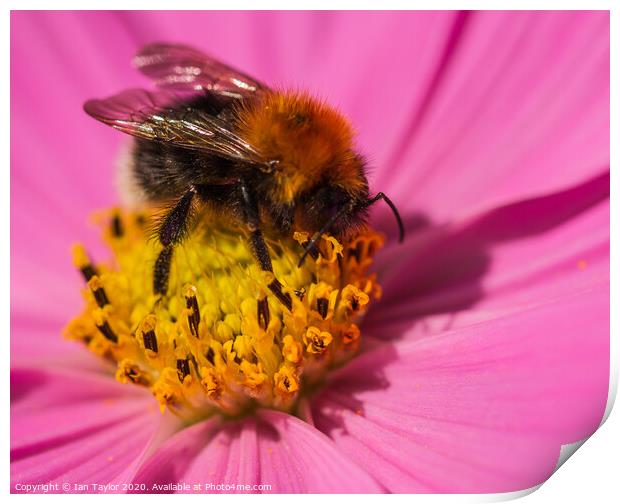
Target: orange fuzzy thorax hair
[(311, 141)]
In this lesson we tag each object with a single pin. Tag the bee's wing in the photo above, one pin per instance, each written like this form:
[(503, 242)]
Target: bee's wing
[(180, 67), (165, 116)]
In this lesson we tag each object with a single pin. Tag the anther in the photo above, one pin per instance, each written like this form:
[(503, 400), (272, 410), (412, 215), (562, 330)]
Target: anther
[(98, 291), (82, 262), (316, 340), (354, 252), (354, 299), (88, 271), (210, 356), (263, 312), (147, 330), (351, 334), (193, 318), (129, 371), (107, 332), (150, 340), (211, 383), (117, 226), (322, 305), (156, 339), (286, 381), (182, 369)]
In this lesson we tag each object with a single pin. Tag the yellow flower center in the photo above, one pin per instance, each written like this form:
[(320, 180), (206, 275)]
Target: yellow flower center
[(220, 341)]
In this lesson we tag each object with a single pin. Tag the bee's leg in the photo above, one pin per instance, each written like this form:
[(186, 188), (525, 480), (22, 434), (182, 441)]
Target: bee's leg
[(250, 208), (171, 231)]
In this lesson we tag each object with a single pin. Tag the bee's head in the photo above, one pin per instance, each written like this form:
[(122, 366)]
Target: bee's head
[(339, 210)]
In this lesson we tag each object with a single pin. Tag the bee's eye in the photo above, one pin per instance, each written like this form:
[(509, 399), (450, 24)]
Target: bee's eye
[(334, 202), (325, 202)]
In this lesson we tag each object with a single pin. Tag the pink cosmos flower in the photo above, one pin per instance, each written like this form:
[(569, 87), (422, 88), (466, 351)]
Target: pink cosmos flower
[(490, 347)]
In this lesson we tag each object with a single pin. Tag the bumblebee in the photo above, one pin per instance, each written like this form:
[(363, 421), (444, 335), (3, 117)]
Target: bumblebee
[(272, 160)]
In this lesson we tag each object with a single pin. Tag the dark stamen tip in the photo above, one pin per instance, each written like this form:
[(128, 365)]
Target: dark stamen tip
[(150, 340), (88, 272), (107, 332), (193, 319), (210, 356), (100, 297), (117, 226), (263, 313), (322, 306), (183, 369)]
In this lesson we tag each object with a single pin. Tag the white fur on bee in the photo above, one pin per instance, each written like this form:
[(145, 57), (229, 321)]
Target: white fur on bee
[(130, 193)]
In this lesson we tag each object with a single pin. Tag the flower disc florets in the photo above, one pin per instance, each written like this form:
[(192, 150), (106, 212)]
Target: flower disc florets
[(220, 341)]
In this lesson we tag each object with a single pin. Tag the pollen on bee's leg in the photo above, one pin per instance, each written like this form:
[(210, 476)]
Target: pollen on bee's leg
[(228, 336)]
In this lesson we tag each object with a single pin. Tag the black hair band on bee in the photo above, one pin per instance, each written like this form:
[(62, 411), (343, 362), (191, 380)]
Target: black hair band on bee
[(346, 209)]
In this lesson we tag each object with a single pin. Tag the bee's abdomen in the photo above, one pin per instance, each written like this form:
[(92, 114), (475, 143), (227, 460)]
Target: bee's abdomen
[(160, 171)]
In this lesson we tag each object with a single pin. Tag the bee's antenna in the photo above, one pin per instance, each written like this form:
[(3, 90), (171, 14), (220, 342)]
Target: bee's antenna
[(401, 227), (312, 242)]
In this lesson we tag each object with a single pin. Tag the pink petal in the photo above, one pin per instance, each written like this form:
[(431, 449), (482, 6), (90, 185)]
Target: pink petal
[(76, 428), (469, 111), (503, 261), (484, 408), (271, 449), (36, 342), (520, 107)]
